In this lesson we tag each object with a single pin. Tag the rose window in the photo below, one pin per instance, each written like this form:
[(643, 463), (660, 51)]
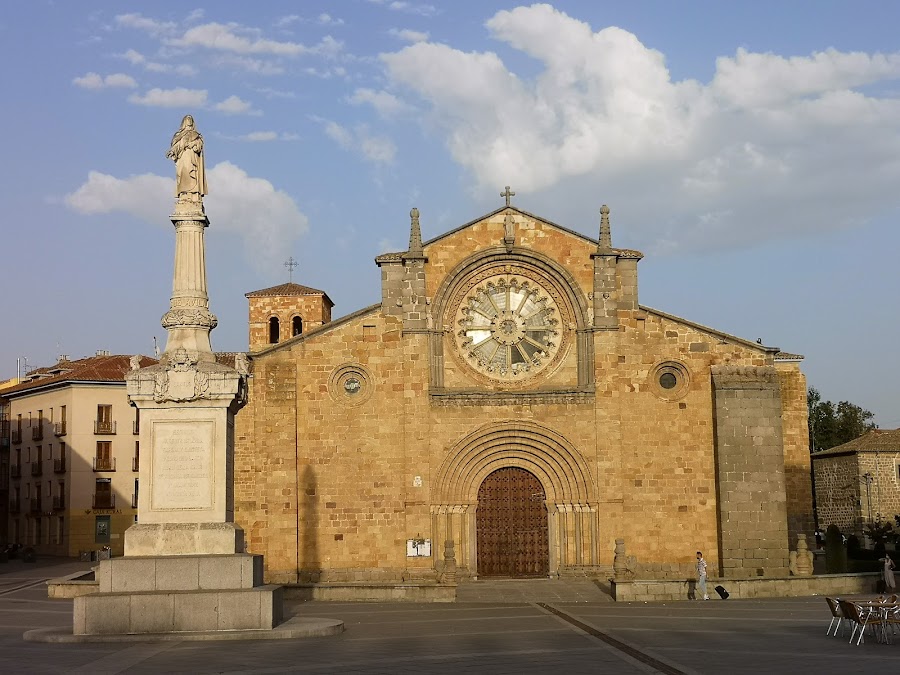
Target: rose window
[(508, 328)]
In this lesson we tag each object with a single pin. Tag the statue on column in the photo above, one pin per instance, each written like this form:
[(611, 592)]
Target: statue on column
[(190, 168)]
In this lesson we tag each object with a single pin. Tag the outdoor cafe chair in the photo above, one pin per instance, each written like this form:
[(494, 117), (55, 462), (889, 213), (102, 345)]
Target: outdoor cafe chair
[(837, 616), (862, 618)]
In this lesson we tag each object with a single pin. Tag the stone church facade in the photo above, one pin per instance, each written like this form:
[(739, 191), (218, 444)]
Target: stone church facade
[(510, 395)]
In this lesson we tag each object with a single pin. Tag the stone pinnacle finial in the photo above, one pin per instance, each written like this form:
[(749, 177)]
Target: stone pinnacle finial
[(415, 233), (605, 234)]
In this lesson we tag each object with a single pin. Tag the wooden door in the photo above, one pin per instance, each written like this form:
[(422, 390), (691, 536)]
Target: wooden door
[(511, 525)]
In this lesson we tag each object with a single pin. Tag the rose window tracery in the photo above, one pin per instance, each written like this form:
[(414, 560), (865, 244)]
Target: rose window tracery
[(508, 328)]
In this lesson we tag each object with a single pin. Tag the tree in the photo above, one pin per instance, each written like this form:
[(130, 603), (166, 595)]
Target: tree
[(831, 425)]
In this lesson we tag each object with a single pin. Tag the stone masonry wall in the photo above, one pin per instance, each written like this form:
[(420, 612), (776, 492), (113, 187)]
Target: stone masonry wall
[(838, 492), (750, 469), (311, 308), (797, 473)]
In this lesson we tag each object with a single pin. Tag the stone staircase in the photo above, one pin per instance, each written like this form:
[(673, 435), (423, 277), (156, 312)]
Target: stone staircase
[(531, 590)]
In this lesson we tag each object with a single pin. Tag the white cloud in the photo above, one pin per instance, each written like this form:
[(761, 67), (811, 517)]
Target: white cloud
[(95, 81), (285, 21), (239, 39), (385, 103), (267, 219), (249, 64), (134, 57), (408, 35), (151, 26), (171, 98), (234, 105), (772, 146), (267, 136), (195, 15), (376, 149), (407, 7), (328, 20)]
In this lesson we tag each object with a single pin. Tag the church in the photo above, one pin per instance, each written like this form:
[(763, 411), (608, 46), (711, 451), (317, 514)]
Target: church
[(511, 409)]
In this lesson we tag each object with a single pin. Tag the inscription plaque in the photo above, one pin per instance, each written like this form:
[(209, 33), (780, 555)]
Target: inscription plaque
[(181, 472)]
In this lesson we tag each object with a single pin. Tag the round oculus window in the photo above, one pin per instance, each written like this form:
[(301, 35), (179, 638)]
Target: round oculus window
[(508, 328)]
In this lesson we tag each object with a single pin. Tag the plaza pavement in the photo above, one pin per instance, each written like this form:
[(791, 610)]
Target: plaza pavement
[(547, 635)]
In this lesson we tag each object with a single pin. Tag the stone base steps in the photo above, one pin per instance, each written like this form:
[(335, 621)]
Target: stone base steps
[(531, 590)]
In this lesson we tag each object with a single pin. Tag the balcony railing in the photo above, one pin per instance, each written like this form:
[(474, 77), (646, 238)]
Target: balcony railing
[(59, 465), (59, 502), (15, 470), (104, 463), (135, 463), (16, 435), (59, 428), (134, 501), (37, 468), (35, 505), (104, 427), (37, 433), (104, 500), (136, 428)]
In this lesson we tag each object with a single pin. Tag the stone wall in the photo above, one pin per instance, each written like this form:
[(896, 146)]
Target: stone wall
[(838, 492), (826, 585), (797, 471), (750, 470), (312, 309)]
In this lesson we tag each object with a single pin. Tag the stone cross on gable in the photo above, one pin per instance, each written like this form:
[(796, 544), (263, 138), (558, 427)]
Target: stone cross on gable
[(291, 264), (506, 193)]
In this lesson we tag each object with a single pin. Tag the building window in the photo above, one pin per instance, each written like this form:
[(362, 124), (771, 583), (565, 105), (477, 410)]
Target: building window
[(60, 528), (273, 330), (104, 423), (136, 460), (104, 460), (296, 326), (103, 494)]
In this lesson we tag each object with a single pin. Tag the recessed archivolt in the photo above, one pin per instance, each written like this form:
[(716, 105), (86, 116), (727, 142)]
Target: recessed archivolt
[(561, 469)]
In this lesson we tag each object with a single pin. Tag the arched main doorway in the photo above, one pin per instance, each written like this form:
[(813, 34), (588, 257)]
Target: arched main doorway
[(511, 525)]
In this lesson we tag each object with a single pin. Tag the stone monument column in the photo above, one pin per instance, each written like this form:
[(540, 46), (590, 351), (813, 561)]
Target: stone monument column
[(188, 401)]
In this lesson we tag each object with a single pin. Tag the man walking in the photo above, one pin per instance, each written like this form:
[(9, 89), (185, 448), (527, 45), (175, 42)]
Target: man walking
[(701, 575)]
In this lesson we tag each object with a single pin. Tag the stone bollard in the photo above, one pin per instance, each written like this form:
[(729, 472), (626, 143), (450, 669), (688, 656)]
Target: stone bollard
[(448, 576)]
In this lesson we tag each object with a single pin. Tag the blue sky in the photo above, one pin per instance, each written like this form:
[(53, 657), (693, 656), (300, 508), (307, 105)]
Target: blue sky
[(750, 150)]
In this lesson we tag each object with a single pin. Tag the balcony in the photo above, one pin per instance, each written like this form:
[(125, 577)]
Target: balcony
[(37, 433), (134, 501), (136, 463), (15, 470), (104, 427), (104, 463), (136, 428), (4, 433), (103, 500), (59, 465), (59, 429), (35, 505), (37, 468), (14, 507), (59, 502), (16, 435)]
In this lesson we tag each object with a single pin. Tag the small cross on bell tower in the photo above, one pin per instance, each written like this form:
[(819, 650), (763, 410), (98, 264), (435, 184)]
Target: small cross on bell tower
[(291, 264)]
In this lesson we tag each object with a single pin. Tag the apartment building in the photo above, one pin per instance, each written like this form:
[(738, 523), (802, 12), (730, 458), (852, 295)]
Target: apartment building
[(73, 456)]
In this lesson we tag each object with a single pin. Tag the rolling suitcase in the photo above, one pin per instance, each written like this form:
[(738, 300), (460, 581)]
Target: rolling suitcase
[(722, 592)]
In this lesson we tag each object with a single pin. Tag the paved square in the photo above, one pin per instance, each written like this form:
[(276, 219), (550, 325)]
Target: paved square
[(741, 636)]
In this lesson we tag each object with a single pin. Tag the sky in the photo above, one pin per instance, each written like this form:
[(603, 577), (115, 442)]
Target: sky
[(750, 150)]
